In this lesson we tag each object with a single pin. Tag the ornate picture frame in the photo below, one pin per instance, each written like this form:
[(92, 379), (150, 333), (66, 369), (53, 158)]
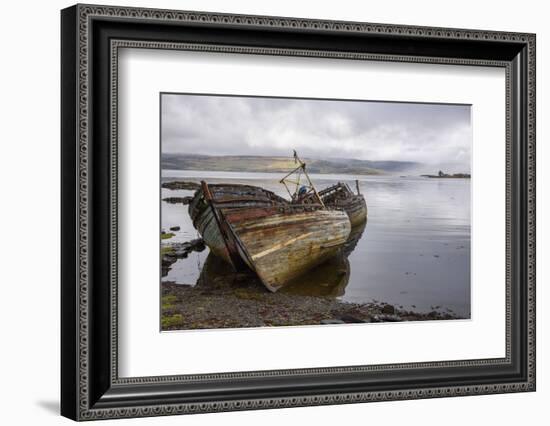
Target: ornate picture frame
[(91, 37)]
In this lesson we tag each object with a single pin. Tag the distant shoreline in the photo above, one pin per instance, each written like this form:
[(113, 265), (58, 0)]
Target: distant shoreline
[(276, 164), (455, 176)]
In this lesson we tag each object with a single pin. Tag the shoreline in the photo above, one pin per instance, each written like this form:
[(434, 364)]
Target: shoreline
[(186, 307), (454, 176)]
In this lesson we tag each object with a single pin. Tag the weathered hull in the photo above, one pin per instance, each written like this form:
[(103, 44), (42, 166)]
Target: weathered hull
[(210, 231), (207, 215), (276, 240), (281, 247), (356, 210), (341, 197)]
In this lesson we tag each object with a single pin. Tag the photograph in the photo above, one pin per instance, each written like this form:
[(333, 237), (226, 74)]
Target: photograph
[(308, 212)]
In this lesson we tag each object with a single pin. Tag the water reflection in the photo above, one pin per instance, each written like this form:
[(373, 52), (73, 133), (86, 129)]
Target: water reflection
[(332, 277), (328, 279)]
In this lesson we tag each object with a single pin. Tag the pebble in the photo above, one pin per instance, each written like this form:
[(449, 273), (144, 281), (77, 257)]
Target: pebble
[(351, 320), (388, 309), (332, 321), (386, 318)]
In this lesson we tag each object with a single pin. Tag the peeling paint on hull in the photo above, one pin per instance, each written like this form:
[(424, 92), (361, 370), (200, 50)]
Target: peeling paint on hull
[(283, 246), (356, 210), (277, 240)]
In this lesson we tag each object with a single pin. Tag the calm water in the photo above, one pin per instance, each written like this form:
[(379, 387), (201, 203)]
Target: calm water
[(414, 251)]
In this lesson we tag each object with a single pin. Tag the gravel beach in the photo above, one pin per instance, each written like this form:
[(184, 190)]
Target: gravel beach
[(245, 303)]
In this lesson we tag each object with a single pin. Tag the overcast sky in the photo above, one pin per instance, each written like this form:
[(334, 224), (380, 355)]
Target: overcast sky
[(437, 135)]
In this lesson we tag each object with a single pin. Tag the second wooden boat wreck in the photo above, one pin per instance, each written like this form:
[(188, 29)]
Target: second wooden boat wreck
[(341, 196), (338, 196), (250, 227)]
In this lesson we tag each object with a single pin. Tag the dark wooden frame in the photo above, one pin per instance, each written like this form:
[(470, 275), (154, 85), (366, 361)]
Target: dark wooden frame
[(90, 386)]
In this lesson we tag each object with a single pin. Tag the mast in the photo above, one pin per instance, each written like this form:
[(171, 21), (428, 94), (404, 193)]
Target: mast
[(299, 171)]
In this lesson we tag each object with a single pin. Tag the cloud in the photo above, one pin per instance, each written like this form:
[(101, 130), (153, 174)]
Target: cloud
[(437, 135)]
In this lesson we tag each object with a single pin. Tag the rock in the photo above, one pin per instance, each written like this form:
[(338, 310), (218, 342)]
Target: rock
[(183, 249), (179, 251), (168, 259), (332, 321), (175, 228), (181, 185), (348, 319), (388, 309), (386, 318), (197, 245), (178, 200), (166, 263)]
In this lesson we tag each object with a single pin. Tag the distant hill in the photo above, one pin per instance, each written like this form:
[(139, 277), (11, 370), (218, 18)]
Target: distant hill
[(258, 164)]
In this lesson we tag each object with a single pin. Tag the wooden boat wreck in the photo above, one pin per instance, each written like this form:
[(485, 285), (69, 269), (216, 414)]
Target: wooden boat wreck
[(250, 227), (278, 239), (328, 279), (341, 196), (338, 196)]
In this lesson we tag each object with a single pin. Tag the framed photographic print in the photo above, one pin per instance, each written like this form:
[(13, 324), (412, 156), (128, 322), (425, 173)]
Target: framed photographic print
[(263, 212)]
